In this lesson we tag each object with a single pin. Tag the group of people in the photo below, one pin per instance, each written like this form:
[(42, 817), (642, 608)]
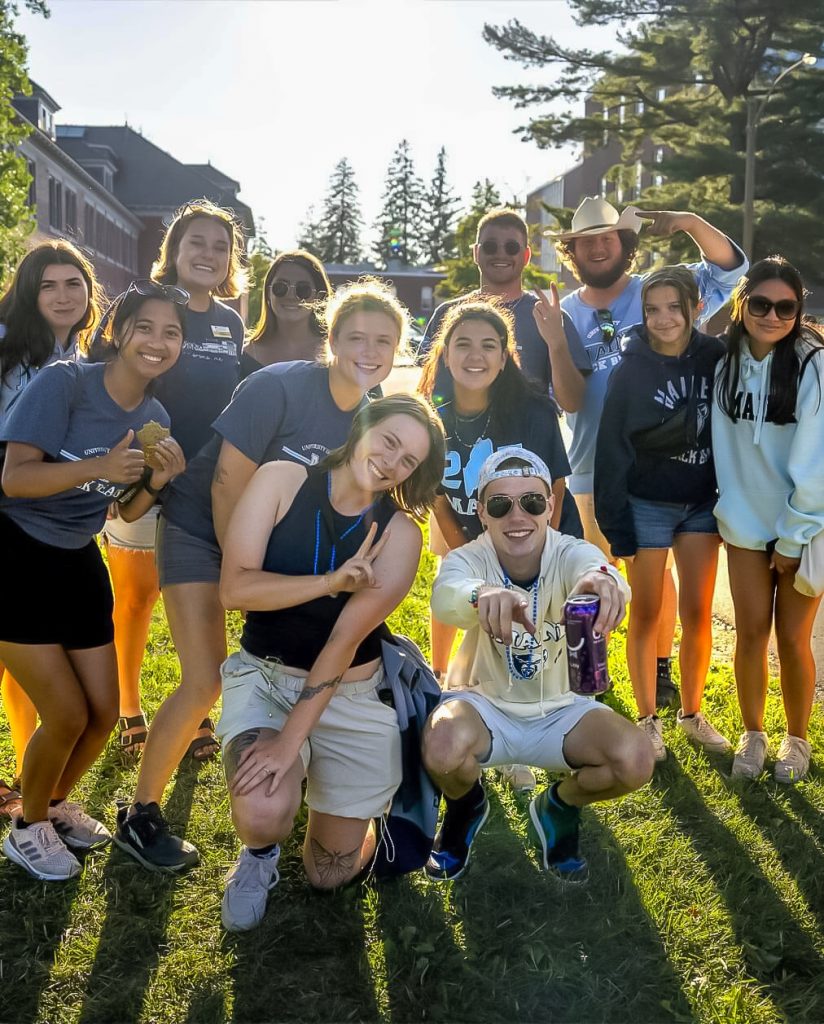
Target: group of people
[(266, 474)]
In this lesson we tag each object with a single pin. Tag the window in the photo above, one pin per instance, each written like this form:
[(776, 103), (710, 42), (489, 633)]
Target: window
[(659, 154), (32, 169), (640, 107), (88, 227), (622, 110), (658, 180), (55, 204), (426, 298), (606, 125), (639, 180), (606, 187), (661, 93), (71, 211)]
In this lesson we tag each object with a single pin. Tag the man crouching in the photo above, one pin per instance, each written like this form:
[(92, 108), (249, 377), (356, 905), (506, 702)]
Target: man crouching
[(508, 697)]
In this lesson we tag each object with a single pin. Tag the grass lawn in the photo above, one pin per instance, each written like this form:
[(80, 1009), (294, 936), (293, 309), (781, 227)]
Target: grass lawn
[(705, 903)]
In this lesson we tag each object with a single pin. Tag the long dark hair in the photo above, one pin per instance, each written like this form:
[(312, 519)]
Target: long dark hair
[(267, 324), (29, 340), (786, 365)]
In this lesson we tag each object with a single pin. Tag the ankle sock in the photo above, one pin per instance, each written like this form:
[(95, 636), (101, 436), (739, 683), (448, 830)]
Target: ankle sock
[(263, 851), (54, 803), (663, 669)]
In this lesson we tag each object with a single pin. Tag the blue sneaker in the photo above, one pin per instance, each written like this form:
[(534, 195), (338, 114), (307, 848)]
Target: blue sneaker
[(557, 829), (450, 855)]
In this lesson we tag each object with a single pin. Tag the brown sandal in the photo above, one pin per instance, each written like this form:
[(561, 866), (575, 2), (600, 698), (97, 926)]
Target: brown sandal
[(11, 802), (129, 742), (197, 748)]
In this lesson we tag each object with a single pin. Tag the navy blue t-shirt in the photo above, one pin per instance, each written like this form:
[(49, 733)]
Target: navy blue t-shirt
[(198, 387), (67, 413), (281, 412)]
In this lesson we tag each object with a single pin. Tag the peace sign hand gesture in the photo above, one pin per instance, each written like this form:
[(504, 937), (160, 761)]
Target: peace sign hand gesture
[(548, 318), (358, 573)]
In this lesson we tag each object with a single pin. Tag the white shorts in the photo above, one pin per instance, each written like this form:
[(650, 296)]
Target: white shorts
[(537, 741), (352, 758), (136, 536)]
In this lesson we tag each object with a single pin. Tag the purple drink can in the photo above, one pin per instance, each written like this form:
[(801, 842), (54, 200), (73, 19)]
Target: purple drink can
[(586, 649)]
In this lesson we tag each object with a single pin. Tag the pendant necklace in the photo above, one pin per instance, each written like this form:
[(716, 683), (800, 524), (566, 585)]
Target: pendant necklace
[(513, 671)]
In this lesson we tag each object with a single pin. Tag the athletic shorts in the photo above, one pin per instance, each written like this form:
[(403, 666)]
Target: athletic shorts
[(352, 758), (537, 741), (53, 595), (657, 523), (136, 536), (184, 558)]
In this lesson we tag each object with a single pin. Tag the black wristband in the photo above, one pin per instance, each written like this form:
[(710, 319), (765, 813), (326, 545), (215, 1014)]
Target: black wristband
[(147, 487)]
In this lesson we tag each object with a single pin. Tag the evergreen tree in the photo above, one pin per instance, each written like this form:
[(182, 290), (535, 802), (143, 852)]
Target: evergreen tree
[(340, 224), (685, 79), (399, 226), (16, 220), (440, 214), (260, 259), (309, 236)]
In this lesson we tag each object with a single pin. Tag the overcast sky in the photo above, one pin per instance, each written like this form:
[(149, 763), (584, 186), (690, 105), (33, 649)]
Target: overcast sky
[(275, 92)]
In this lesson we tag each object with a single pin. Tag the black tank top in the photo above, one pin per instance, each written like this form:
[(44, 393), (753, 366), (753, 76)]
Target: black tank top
[(311, 539)]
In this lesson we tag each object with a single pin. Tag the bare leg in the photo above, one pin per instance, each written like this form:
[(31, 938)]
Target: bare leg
[(454, 739), (261, 820), (752, 585), (443, 637), (794, 616), (612, 758), (22, 717), (336, 849), (696, 555), (646, 577), (667, 617), (134, 581)]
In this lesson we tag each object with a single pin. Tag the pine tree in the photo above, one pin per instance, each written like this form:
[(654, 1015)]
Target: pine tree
[(441, 209), (399, 226), (340, 224), (309, 237), (461, 272)]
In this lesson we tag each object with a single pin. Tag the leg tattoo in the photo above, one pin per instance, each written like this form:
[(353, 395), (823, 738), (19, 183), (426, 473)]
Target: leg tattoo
[(333, 867), (232, 753)]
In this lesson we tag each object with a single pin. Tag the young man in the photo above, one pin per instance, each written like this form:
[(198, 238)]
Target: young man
[(509, 696), (600, 250)]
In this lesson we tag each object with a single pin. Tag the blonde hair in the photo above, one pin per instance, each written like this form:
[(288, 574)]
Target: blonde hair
[(366, 295)]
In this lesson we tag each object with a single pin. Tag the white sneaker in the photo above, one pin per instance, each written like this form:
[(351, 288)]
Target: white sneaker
[(793, 761), (653, 729), (77, 829), (699, 730), (750, 753), (519, 777), (248, 883), (41, 851)]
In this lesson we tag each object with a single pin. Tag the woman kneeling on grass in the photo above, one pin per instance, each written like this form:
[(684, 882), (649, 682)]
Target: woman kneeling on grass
[(70, 454), (318, 557), (768, 438), (655, 490)]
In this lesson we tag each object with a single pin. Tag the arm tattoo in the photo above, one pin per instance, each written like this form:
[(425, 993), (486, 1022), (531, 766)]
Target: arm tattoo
[(334, 867), (232, 753), (308, 692)]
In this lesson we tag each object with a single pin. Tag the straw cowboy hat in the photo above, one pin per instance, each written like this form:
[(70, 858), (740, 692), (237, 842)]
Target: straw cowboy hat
[(595, 216)]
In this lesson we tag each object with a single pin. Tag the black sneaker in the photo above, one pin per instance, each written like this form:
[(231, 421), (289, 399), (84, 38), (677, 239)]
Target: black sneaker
[(667, 694), (145, 836), (458, 831)]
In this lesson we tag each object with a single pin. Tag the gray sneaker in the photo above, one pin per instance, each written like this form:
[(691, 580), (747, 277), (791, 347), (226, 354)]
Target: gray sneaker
[(793, 761), (519, 777), (653, 728), (41, 851), (750, 753), (248, 884), (77, 829), (699, 730)]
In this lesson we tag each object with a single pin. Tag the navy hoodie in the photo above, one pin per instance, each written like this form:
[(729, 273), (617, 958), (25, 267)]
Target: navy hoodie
[(654, 439)]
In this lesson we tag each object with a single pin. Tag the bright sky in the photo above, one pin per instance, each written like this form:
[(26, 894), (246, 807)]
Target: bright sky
[(275, 92)]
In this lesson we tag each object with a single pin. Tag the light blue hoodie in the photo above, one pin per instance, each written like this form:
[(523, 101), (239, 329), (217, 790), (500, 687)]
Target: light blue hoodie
[(770, 476)]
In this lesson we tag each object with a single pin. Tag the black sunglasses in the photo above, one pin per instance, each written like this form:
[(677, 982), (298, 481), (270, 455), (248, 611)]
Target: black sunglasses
[(303, 289), (148, 290), (489, 246), (785, 309), (500, 505), (607, 325)]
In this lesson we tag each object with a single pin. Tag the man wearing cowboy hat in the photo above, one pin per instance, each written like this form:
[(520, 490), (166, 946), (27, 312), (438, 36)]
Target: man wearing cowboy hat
[(600, 249)]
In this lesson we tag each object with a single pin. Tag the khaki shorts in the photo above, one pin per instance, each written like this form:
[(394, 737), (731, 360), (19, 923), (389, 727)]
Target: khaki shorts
[(136, 536), (352, 758)]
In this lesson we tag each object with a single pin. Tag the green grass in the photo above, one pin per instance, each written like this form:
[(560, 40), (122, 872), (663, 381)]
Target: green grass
[(706, 903)]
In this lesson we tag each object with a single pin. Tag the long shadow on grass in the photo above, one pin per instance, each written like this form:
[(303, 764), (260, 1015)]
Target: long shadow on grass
[(532, 949), (138, 907), (778, 954)]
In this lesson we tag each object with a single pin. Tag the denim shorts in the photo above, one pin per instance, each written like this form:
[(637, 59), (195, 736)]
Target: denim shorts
[(184, 558), (658, 522)]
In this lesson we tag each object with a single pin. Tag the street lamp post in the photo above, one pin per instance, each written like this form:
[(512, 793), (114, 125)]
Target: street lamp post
[(755, 110)]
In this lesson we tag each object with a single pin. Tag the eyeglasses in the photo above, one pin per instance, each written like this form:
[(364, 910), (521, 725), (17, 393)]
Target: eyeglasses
[(500, 505), (489, 246), (303, 290), (607, 325), (785, 309)]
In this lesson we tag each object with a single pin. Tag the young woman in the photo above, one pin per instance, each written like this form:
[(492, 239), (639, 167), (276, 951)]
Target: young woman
[(201, 252), (289, 326), (71, 452), (654, 443), (493, 406), (768, 440), (48, 313), (297, 412), (318, 557)]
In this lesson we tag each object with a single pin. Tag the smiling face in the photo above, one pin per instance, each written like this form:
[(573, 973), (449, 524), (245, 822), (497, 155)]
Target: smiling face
[(668, 331), (501, 253), (766, 331), (153, 339), (518, 537), (389, 452), (291, 309), (62, 299), (202, 259), (363, 347), (474, 356), (599, 259)]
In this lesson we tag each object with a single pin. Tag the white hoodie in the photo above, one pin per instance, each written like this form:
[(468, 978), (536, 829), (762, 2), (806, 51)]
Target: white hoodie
[(481, 661), (770, 476)]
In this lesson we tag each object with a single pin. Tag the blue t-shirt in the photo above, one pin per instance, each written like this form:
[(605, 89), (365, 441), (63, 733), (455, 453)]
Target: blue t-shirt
[(531, 346), (199, 385), (67, 413), (715, 286), (282, 412)]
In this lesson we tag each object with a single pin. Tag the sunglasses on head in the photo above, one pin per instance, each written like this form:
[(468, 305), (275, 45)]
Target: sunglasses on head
[(152, 290), (303, 289), (500, 505), (489, 246), (785, 309)]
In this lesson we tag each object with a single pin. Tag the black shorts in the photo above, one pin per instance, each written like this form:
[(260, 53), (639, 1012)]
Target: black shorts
[(53, 595)]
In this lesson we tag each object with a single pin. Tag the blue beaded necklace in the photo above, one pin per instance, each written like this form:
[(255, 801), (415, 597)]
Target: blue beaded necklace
[(345, 533), (513, 671)]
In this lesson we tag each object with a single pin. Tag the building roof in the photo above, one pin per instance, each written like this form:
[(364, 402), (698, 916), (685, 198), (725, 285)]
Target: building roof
[(370, 268), (37, 91)]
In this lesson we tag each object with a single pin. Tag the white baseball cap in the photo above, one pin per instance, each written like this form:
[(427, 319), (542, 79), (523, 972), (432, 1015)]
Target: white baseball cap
[(534, 467)]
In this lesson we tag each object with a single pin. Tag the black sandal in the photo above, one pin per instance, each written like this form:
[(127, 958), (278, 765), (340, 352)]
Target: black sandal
[(11, 802), (128, 743), (200, 742)]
